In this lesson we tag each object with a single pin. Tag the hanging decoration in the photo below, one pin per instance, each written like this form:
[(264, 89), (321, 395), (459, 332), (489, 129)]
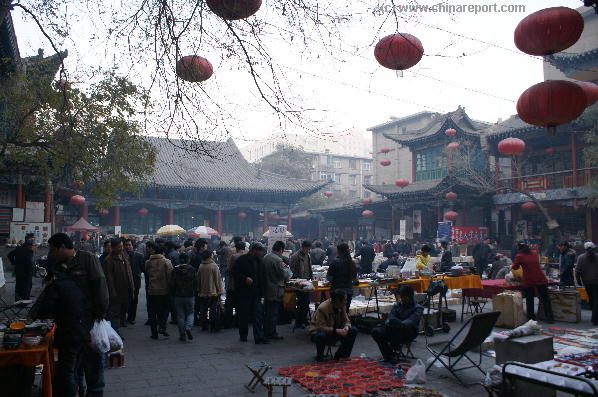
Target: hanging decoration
[(528, 206), (453, 146), (77, 199), (242, 215), (590, 90), (450, 132), (143, 211), (367, 213), (551, 103), (549, 31), (385, 162), (549, 150), (276, 217), (399, 51), (367, 201), (385, 150), (511, 146), (194, 68), (104, 212), (234, 9), (402, 183), (451, 196), (451, 215), (328, 193)]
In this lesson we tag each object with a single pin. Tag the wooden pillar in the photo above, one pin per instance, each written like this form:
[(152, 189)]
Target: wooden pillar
[(413, 166), (266, 221), (171, 216), (20, 192), (574, 157), (116, 216), (85, 212), (48, 203), (219, 223), (290, 221)]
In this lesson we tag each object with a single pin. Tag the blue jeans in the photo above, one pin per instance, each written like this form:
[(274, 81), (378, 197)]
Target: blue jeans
[(270, 318), (322, 339), (93, 366), (185, 312), (69, 362), (247, 306)]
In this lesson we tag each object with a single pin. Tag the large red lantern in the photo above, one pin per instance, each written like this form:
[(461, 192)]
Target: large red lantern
[(242, 215), (451, 215), (549, 150), (551, 103), (194, 68), (385, 150), (77, 199), (453, 146), (591, 91), (143, 211), (399, 51), (104, 212), (367, 201), (450, 132), (402, 183), (234, 9), (528, 206), (451, 196), (385, 162), (549, 31), (328, 193), (367, 213), (276, 218), (511, 146)]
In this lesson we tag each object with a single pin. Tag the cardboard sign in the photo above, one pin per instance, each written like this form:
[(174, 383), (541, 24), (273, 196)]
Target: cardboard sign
[(469, 234)]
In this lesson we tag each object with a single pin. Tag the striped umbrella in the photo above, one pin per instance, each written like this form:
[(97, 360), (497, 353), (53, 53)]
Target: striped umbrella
[(202, 232)]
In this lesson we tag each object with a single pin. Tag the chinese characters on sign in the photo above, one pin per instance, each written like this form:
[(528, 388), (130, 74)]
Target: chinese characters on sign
[(469, 234)]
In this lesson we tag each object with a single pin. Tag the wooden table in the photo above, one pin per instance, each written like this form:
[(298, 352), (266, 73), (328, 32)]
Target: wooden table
[(33, 356)]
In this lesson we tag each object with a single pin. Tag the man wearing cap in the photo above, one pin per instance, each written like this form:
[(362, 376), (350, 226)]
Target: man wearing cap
[(586, 272), (392, 261), (250, 281)]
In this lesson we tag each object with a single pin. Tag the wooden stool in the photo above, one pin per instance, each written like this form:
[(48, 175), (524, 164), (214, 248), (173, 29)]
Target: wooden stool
[(281, 381), (258, 369)]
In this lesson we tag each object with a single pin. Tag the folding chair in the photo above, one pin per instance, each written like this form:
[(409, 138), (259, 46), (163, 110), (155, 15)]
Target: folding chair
[(258, 369), (478, 328), (476, 299), (12, 311)]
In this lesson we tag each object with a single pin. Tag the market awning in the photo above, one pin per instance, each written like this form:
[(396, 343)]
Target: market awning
[(82, 226)]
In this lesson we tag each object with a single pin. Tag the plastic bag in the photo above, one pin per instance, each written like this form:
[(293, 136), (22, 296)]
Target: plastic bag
[(99, 336), (116, 342), (417, 373), (493, 376)]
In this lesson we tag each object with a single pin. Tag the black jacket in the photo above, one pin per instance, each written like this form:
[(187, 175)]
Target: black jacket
[(22, 259), (367, 255), (389, 262), (566, 266), (183, 281), (446, 261), (250, 266), (480, 253), (331, 252), (64, 301), (388, 250), (137, 263), (173, 257), (339, 274), (317, 256), (407, 315)]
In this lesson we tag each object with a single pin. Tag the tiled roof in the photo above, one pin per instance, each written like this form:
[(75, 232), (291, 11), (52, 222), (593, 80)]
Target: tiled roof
[(44, 67), (458, 120), (422, 188), (347, 205), (398, 120), (181, 164), (564, 58), (9, 49)]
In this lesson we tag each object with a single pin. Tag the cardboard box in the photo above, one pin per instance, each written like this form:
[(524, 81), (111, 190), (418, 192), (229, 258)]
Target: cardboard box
[(529, 349), (510, 304), (566, 306)]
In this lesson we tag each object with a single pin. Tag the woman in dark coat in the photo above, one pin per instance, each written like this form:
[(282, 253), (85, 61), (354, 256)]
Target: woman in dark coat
[(342, 272)]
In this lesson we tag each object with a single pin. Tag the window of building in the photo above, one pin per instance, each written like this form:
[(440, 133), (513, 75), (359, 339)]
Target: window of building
[(329, 161), (367, 194), (353, 179), (338, 163), (324, 176), (367, 165), (430, 164), (352, 164), (352, 193), (336, 177), (404, 129), (367, 179)]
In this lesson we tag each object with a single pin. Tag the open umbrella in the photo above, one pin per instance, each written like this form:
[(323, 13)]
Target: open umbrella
[(287, 234), (170, 230), (202, 232)]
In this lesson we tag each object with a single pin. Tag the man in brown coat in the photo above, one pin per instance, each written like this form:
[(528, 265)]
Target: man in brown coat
[(121, 287), (210, 289)]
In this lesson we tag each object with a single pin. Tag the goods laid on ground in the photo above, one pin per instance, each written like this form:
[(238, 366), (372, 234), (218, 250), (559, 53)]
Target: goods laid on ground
[(566, 306), (510, 304)]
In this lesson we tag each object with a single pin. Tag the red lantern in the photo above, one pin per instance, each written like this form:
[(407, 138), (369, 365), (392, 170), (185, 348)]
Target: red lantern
[(549, 31), (451, 196), (385, 150), (451, 216), (450, 132), (234, 9), (385, 163), (528, 206), (104, 212), (143, 211), (510, 146), (399, 51), (77, 199), (367, 201), (551, 103), (328, 193), (367, 213), (549, 150), (242, 215), (194, 68), (276, 218), (402, 183), (453, 146), (591, 91)]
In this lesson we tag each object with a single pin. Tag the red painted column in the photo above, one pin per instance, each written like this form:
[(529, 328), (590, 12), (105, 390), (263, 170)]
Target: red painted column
[(219, 223), (117, 216), (48, 203), (574, 157), (20, 192), (266, 221), (85, 212), (290, 221), (171, 216)]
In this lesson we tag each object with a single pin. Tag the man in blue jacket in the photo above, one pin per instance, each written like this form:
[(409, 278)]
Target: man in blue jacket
[(402, 325)]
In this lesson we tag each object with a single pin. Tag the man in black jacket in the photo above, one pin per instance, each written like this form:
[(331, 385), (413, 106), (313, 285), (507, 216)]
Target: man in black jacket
[(22, 259), (249, 278), (480, 254), (137, 263), (402, 325), (367, 255), (446, 260)]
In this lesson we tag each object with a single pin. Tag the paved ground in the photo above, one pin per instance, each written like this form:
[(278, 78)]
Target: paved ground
[(213, 364)]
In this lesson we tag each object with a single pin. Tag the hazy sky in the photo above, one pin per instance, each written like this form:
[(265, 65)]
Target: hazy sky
[(350, 90)]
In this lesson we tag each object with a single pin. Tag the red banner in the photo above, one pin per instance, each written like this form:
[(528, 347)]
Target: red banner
[(468, 234)]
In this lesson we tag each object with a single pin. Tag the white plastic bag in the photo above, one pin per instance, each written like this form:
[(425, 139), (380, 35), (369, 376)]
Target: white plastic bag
[(417, 373), (116, 342), (99, 336)]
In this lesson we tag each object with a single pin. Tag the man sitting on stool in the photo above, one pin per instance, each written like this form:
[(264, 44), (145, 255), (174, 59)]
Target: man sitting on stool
[(331, 323), (402, 325)]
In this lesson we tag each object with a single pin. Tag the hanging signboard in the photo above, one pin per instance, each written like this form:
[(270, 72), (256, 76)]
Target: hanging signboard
[(276, 233), (444, 231), (41, 231), (469, 234)]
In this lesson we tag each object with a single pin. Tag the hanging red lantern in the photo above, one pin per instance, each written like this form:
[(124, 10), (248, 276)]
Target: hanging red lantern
[(194, 68), (399, 51), (367, 213), (549, 150), (450, 132), (385, 162), (551, 103), (385, 150), (276, 218), (367, 201), (143, 211), (590, 90), (451, 196), (528, 206), (104, 212), (242, 215), (77, 199), (328, 193), (511, 146), (549, 31), (451, 215), (453, 146), (402, 183), (234, 9)]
